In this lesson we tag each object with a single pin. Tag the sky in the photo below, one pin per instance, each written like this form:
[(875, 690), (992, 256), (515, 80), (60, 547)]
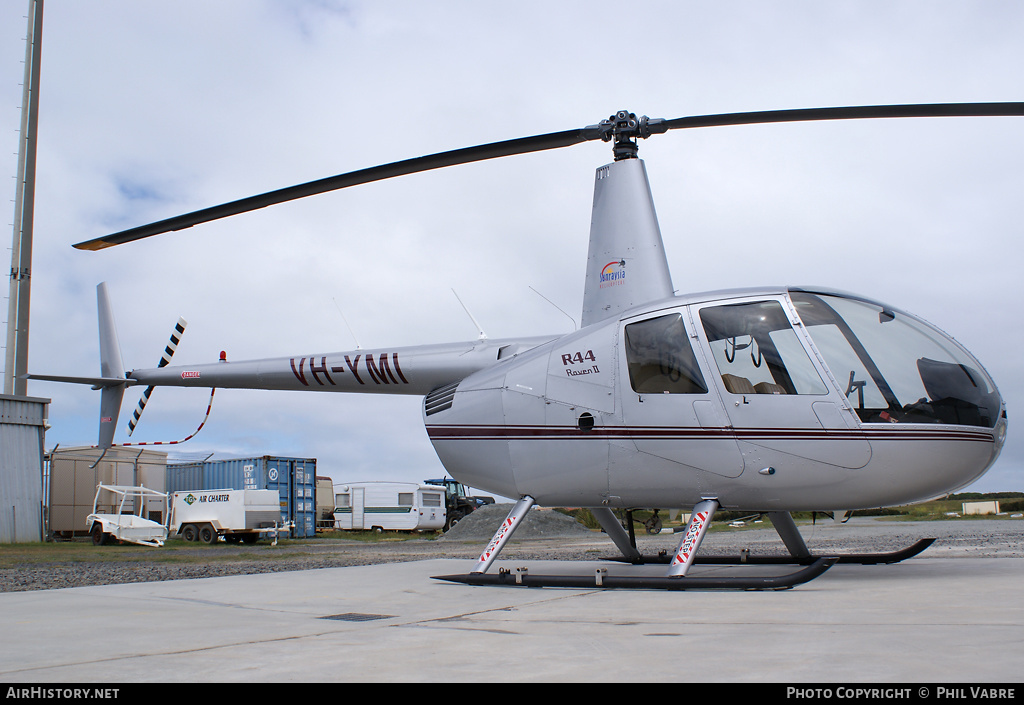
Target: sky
[(151, 109)]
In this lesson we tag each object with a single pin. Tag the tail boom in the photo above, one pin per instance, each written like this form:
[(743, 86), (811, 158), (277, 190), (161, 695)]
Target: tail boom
[(415, 370)]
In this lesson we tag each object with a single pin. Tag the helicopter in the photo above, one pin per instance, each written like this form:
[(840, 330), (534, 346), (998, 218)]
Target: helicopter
[(763, 400)]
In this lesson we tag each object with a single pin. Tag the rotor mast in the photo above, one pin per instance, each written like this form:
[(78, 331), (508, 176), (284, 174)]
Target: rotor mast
[(626, 261)]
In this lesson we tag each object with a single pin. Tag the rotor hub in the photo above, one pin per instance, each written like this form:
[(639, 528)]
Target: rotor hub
[(624, 128)]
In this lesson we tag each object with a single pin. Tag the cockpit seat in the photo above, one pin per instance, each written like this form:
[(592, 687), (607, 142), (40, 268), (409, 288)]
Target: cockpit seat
[(769, 388), (738, 385)]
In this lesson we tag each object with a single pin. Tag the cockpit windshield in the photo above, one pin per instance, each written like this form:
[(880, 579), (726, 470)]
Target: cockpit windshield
[(895, 367)]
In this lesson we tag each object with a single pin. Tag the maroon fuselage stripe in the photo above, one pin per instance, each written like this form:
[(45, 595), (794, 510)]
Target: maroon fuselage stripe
[(479, 432)]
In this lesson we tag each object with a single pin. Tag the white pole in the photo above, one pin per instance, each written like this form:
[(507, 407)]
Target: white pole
[(16, 357)]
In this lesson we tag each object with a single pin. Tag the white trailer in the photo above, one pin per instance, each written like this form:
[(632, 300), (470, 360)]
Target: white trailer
[(237, 515), (389, 506), (117, 514)]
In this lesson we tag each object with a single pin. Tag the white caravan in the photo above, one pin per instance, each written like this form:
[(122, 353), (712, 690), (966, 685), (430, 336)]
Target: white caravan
[(389, 506)]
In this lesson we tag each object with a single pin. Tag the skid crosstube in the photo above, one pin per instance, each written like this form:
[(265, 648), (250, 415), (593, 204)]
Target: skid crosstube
[(522, 578), (855, 558)]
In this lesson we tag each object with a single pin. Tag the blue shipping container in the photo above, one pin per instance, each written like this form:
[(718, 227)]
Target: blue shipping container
[(293, 478)]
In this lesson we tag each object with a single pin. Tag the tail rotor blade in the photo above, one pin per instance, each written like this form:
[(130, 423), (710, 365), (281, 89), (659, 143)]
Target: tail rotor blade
[(143, 400), (165, 359), (172, 344)]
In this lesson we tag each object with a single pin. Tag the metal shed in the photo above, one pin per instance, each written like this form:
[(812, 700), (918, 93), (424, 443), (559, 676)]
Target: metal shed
[(22, 438), (75, 472)]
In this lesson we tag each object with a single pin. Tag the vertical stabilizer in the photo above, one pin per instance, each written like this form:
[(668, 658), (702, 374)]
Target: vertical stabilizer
[(626, 265), (110, 367)]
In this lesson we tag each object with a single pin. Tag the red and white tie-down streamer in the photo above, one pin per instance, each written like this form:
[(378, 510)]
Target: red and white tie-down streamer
[(171, 443)]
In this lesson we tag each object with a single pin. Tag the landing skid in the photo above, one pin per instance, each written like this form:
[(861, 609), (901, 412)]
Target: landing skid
[(679, 564), (522, 578), (857, 558)]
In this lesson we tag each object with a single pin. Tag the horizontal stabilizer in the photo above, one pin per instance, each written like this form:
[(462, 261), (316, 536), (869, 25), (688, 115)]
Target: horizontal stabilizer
[(95, 382)]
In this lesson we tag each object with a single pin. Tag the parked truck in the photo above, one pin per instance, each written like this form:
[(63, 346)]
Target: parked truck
[(457, 500), (237, 515)]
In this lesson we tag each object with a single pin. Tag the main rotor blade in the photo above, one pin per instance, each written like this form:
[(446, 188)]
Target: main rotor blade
[(554, 140), (859, 112), (478, 153)]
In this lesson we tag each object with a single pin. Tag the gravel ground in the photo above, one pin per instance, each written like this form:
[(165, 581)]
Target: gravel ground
[(544, 535)]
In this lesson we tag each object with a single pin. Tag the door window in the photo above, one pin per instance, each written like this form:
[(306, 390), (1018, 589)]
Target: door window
[(757, 351), (660, 358)]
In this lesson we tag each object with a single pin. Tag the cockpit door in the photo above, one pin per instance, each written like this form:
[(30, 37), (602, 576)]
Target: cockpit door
[(780, 406)]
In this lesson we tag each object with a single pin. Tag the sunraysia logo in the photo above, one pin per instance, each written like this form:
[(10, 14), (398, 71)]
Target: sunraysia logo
[(613, 274), (189, 499), (187, 374)]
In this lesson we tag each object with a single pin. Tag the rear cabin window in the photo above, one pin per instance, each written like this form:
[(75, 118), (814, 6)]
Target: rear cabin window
[(405, 499), (431, 499), (660, 358)]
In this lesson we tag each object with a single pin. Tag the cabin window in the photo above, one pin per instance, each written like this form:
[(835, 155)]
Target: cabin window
[(405, 499), (431, 499), (660, 358), (343, 500), (757, 351), (896, 368)]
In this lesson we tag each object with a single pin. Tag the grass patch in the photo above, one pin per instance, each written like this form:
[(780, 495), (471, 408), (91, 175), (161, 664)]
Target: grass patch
[(376, 537), (174, 551), (181, 552)]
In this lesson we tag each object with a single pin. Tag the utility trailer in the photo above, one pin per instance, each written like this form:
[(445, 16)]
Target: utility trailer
[(389, 506), (237, 515), (124, 521)]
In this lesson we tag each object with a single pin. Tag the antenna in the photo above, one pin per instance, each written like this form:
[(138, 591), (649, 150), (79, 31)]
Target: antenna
[(483, 336), (358, 346), (574, 326)]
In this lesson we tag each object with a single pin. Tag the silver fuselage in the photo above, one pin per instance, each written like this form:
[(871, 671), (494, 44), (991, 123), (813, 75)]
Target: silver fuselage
[(566, 424)]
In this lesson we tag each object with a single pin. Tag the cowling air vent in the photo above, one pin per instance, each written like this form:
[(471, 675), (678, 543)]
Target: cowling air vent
[(440, 399)]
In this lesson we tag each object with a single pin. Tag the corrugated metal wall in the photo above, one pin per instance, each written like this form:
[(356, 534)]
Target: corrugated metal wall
[(73, 481), (22, 441)]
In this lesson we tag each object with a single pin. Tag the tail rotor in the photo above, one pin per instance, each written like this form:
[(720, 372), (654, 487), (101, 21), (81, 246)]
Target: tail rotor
[(165, 360)]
